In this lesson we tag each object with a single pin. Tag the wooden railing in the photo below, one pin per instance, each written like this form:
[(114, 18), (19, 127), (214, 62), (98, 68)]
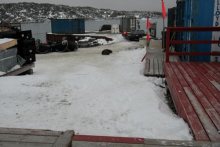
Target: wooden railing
[(190, 29)]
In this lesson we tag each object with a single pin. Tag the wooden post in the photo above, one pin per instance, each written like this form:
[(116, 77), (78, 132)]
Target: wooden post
[(168, 44)]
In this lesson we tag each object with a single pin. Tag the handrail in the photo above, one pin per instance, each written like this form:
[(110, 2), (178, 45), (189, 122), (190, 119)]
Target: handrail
[(190, 29)]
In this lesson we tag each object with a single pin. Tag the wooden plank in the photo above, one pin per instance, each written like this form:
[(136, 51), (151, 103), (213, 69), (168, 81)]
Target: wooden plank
[(210, 129), (27, 138), (19, 70), (212, 68), (23, 144), (148, 143), (151, 71), (65, 139), (215, 65), (130, 140), (210, 72), (204, 118), (193, 72), (183, 106), (212, 113), (29, 132), (4, 29), (103, 144), (217, 85), (180, 143), (156, 66), (7, 43), (206, 79), (147, 67), (161, 71)]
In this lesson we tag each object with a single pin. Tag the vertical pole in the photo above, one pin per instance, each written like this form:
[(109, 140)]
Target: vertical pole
[(168, 44), (164, 35), (146, 37)]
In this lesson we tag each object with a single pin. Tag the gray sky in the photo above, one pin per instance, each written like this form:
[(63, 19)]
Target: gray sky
[(141, 5)]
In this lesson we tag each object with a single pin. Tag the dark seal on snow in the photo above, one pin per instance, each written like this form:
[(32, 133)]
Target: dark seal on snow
[(106, 52)]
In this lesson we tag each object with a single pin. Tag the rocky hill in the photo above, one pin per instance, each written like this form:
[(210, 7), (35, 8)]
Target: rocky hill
[(34, 12)]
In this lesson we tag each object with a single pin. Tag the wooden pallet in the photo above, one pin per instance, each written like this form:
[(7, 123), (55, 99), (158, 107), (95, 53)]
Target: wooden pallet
[(7, 43), (154, 67), (195, 89), (34, 138), (104, 141), (4, 29)]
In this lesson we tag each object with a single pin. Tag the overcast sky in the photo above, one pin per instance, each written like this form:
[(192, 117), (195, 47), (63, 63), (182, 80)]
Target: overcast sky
[(140, 5)]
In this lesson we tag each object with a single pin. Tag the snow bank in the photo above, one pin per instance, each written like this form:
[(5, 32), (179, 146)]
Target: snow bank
[(91, 94)]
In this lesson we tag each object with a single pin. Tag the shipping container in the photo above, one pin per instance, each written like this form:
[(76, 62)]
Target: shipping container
[(202, 16), (197, 13), (187, 23), (179, 23), (68, 26), (171, 17), (128, 24)]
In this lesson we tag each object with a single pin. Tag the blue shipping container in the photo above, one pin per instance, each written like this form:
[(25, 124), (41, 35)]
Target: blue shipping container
[(68, 26), (202, 16), (179, 23), (187, 23)]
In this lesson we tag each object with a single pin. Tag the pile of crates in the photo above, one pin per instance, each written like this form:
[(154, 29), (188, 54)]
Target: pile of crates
[(26, 46)]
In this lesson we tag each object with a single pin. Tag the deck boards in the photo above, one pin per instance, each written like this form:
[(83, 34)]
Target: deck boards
[(154, 67), (12, 137), (195, 81), (200, 95)]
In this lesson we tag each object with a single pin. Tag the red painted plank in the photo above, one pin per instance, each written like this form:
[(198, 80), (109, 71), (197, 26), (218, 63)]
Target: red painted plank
[(212, 68), (210, 129), (215, 65), (108, 139), (198, 78), (206, 79), (184, 107), (213, 115), (216, 77), (194, 54), (194, 42)]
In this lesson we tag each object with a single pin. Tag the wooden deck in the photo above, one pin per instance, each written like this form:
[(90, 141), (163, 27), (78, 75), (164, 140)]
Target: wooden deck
[(12, 137), (104, 141), (195, 89), (34, 138), (154, 67)]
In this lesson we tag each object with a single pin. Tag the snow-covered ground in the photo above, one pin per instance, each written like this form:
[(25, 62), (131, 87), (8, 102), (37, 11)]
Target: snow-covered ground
[(91, 94)]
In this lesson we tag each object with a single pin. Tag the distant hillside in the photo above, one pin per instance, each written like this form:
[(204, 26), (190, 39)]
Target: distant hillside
[(34, 12)]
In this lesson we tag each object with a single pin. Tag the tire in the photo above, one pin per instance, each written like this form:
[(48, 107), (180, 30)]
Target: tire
[(62, 46), (72, 46)]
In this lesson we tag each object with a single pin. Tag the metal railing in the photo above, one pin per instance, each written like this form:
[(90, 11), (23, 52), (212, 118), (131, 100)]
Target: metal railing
[(190, 29)]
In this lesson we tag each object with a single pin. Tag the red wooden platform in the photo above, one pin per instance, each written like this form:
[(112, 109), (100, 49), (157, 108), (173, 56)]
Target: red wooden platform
[(195, 88)]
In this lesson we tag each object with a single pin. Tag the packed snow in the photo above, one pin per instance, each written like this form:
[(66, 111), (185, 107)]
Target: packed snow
[(91, 94)]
